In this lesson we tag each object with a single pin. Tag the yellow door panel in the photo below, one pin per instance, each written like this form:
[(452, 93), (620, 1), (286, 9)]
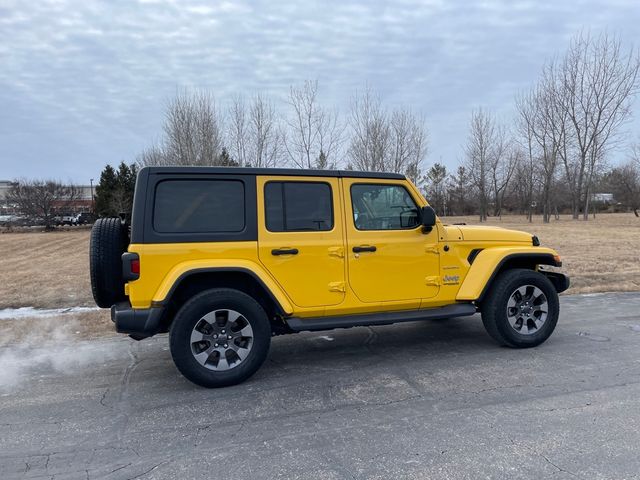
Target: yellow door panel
[(389, 256), (300, 246)]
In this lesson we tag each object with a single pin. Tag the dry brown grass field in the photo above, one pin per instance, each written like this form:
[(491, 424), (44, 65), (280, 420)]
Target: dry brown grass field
[(48, 270), (51, 270), (45, 269)]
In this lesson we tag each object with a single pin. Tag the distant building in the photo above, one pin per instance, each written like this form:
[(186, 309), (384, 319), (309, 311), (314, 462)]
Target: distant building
[(81, 204), (5, 209), (5, 185), (602, 197)]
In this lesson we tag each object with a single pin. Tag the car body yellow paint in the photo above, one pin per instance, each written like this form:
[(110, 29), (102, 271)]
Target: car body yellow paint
[(310, 276), (484, 265), (163, 264), (410, 269)]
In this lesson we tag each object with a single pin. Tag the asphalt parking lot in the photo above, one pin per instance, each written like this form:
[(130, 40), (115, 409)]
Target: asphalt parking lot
[(419, 400)]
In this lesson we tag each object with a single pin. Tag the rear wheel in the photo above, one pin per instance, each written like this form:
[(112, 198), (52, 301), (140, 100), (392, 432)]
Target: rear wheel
[(220, 337), (522, 309)]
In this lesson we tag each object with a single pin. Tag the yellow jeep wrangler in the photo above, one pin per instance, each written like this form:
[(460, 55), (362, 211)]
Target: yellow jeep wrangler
[(225, 258)]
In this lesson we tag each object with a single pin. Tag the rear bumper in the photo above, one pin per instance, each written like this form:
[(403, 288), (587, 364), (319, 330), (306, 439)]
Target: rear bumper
[(559, 280), (138, 323)]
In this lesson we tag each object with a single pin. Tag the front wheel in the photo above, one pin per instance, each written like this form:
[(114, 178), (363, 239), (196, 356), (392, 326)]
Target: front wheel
[(220, 337), (522, 308)]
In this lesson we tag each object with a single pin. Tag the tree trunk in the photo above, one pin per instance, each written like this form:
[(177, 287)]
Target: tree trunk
[(585, 213), (546, 209)]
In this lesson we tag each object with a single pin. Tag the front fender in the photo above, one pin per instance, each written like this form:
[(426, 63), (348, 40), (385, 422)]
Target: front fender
[(489, 261), (212, 264)]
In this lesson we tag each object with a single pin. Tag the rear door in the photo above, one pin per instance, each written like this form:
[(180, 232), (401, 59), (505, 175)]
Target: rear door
[(300, 239), (390, 258)]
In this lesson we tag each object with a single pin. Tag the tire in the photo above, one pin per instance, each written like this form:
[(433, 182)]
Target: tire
[(522, 308), (108, 243), (198, 355)]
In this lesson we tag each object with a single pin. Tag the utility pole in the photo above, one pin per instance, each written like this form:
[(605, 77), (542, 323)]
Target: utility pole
[(92, 206)]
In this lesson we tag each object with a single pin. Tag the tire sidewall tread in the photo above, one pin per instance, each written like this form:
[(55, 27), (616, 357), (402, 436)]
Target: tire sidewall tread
[(494, 315), (107, 243), (193, 310)]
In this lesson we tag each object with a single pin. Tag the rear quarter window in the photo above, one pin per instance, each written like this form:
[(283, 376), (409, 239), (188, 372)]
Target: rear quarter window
[(199, 206)]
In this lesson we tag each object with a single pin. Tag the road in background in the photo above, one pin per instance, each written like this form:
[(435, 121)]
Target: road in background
[(418, 400)]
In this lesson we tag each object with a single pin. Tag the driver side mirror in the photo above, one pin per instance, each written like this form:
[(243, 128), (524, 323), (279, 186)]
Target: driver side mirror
[(427, 218)]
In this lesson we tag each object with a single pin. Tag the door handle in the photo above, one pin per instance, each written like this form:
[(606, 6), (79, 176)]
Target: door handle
[(364, 248), (284, 251)]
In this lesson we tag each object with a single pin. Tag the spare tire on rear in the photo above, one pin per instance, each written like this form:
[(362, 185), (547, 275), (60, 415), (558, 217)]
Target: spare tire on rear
[(109, 241)]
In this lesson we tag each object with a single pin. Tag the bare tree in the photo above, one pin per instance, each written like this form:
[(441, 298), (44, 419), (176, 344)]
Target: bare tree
[(624, 183), (458, 191), (330, 139), (521, 191), (436, 187), (192, 130), (599, 81), (42, 200), (408, 144), (301, 141), (480, 150), (314, 134), (152, 156), (238, 131), (383, 142), (370, 133), (526, 106), (635, 153), (265, 138), (502, 164), (543, 123), (254, 135)]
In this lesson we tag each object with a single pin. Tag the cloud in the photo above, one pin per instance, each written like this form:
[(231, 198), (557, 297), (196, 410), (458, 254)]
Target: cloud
[(84, 83)]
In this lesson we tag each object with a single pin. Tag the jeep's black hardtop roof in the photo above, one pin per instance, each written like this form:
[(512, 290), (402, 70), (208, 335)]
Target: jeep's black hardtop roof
[(271, 172)]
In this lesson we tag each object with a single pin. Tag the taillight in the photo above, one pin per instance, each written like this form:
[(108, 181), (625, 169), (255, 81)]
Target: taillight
[(130, 266)]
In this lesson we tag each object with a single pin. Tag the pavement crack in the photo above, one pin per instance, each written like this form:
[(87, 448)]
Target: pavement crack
[(121, 468), (576, 407), (500, 387), (237, 432), (123, 396), (149, 470), (560, 469), (199, 430), (103, 399)]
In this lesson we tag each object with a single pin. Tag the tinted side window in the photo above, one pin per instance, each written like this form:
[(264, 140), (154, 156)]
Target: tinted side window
[(383, 207), (298, 206), (199, 206)]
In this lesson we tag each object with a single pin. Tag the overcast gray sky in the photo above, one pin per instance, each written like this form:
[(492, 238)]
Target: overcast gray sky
[(84, 83)]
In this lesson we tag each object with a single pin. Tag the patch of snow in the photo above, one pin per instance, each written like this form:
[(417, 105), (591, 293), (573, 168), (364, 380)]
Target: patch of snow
[(30, 312)]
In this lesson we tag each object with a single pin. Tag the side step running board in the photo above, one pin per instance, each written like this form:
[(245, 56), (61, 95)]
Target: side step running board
[(328, 323)]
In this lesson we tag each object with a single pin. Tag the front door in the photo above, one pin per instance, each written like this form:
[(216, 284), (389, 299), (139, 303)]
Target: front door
[(301, 238), (390, 258)]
